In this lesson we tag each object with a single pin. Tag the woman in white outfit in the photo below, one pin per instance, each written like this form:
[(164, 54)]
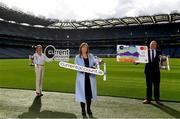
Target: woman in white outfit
[(85, 82), (39, 61)]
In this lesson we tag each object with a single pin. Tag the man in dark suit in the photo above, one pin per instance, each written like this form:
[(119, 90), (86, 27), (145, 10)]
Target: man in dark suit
[(152, 73)]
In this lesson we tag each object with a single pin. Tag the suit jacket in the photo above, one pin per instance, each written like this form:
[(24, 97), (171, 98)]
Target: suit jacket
[(153, 66)]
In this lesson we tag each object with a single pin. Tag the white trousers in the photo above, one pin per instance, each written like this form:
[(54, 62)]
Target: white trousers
[(39, 78)]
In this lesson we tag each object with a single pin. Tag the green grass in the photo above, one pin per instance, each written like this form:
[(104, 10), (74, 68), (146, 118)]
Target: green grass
[(123, 79)]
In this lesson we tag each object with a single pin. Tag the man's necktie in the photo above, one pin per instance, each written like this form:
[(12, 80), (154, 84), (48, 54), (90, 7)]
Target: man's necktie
[(152, 55)]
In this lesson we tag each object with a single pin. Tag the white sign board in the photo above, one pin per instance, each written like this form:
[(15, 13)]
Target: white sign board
[(57, 54), (131, 53)]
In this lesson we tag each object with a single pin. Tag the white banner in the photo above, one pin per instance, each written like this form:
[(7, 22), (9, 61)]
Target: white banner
[(84, 69)]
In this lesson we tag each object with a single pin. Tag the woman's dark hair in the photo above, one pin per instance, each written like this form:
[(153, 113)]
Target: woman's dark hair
[(82, 45)]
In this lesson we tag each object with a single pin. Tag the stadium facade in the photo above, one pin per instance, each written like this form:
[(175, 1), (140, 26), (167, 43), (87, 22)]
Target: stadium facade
[(20, 31)]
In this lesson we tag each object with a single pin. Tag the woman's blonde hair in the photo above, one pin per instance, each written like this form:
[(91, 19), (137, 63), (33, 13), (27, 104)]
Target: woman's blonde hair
[(38, 46), (82, 45)]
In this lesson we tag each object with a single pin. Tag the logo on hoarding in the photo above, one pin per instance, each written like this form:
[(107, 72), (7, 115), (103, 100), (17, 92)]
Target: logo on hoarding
[(57, 54)]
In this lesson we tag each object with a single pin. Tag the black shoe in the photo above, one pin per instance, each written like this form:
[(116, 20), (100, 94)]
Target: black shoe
[(90, 114), (84, 114)]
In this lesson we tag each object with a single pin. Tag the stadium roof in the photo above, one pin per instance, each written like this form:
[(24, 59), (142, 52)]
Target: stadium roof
[(19, 17)]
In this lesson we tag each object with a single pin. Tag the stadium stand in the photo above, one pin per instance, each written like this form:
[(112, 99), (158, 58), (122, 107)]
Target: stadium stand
[(7, 52), (20, 31)]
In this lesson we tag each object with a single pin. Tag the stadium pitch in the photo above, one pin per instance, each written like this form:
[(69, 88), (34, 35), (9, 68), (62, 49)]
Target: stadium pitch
[(15, 103), (123, 79)]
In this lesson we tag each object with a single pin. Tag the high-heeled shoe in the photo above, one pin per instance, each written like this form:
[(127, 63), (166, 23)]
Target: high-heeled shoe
[(39, 94)]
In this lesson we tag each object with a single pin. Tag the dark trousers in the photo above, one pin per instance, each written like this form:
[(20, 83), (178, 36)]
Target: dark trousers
[(88, 102), (153, 79)]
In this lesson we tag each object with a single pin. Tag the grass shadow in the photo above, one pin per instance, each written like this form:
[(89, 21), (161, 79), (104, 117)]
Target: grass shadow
[(168, 110), (35, 112)]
